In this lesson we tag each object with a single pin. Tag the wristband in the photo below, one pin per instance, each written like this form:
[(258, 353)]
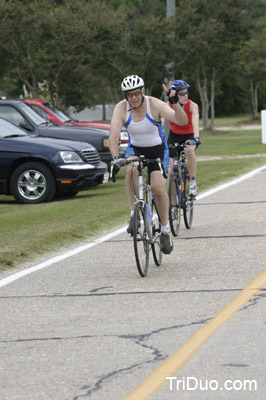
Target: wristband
[(116, 158)]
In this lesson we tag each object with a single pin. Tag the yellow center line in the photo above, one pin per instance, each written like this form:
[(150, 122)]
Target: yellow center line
[(169, 368)]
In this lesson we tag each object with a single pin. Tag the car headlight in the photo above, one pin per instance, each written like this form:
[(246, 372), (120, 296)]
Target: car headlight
[(70, 157)]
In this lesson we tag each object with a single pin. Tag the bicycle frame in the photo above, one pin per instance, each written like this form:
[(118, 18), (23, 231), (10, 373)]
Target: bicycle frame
[(179, 169), (145, 197), (178, 191), (146, 220)]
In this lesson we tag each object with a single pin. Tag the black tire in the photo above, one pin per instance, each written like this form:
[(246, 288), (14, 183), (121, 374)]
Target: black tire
[(32, 183), (188, 204), (141, 242), (156, 232), (174, 205)]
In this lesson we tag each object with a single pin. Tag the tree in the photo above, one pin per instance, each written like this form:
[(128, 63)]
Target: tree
[(21, 39), (131, 46), (252, 57), (209, 34), (253, 63), (80, 51), (54, 44)]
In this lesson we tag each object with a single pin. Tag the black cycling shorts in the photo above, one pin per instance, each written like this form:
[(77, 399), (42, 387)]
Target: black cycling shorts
[(176, 138), (161, 151)]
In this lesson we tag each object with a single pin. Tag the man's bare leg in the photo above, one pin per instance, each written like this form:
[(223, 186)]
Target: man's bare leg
[(158, 184), (131, 182)]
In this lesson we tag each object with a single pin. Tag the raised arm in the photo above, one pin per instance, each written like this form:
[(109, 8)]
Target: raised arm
[(175, 114), (181, 117)]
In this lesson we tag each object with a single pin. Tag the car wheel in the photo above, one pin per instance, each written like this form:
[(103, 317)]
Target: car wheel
[(32, 183)]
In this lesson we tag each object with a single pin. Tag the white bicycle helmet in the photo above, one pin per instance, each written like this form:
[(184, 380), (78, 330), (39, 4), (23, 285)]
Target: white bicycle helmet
[(132, 82)]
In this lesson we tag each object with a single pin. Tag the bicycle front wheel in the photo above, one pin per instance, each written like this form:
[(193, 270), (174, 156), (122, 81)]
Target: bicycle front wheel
[(141, 240), (188, 204), (174, 206), (157, 237)]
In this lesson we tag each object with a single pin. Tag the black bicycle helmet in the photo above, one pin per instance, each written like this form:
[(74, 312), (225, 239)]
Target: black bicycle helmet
[(179, 85)]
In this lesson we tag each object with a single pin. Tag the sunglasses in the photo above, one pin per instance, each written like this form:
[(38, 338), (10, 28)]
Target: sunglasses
[(182, 93), (136, 94)]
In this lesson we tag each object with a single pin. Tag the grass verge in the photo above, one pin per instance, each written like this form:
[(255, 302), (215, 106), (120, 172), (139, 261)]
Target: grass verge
[(29, 231)]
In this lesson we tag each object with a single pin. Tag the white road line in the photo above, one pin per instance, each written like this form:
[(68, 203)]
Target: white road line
[(110, 235), (56, 259), (231, 183)]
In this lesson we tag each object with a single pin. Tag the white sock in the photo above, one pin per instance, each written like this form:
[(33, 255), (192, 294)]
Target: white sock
[(131, 213), (165, 228)]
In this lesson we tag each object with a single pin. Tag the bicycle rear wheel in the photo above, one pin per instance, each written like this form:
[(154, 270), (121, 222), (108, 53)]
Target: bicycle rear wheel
[(156, 232), (174, 206), (141, 240), (188, 204)]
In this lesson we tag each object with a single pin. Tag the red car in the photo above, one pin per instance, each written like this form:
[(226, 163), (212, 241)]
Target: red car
[(53, 114)]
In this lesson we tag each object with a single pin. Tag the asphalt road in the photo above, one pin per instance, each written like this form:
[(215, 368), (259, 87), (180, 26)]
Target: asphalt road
[(89, 327)]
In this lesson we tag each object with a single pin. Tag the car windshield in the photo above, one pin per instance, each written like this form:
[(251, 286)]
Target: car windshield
[(36, 118), (7, 129), (64, 117)]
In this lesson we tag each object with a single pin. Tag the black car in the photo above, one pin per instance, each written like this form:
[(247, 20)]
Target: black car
[(34, 169), (22, 115)]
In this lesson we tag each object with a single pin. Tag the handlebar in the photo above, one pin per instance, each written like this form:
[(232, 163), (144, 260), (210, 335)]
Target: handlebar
[(138, 161), (190, 142), (178, 146)]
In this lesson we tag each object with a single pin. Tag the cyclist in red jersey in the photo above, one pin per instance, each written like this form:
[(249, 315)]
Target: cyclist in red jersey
[(189, 132)]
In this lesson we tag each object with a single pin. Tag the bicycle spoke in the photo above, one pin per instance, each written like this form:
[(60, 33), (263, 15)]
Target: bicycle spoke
[(174, 207), (188, 205), (141, 240), (156, 231)]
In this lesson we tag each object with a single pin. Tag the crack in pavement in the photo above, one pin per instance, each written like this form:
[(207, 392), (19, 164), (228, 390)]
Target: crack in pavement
[(144, 336), (92, 293), (138, 339), (158, 356)]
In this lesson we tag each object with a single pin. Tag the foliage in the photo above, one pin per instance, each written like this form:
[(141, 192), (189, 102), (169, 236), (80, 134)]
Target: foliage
[(80, 51), (208, 34), (21, 41)]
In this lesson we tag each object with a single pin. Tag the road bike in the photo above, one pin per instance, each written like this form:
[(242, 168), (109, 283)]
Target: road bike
[(178, 191), (147, 224)]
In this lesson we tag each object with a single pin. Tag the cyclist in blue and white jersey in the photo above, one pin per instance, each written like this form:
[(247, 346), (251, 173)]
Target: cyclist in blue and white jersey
[(142, 116)]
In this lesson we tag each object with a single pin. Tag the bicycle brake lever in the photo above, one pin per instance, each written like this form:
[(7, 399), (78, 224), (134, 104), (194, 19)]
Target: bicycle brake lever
[(112, 175), (160, 164), (161, 168)]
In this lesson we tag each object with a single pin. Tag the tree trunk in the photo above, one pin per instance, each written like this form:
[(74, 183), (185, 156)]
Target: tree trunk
[(203, 92), (104, 110), (212, 99), (254, 96), (32, 89), (56, 91)]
